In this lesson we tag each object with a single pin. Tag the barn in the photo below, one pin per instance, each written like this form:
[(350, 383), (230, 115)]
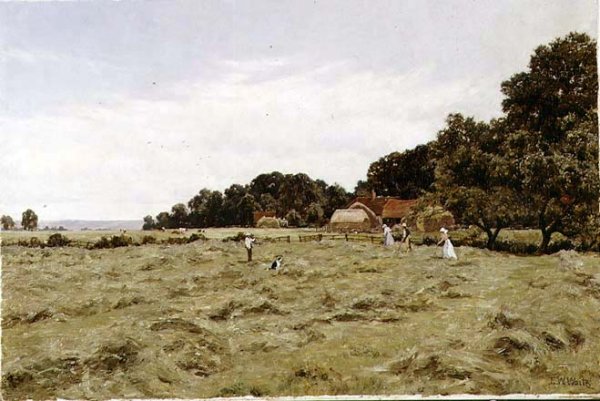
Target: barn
[(383, 209)]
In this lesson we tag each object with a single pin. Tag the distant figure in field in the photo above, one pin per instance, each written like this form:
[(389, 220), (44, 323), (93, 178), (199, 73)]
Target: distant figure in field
[(249, 243), (388, 239), (448, 248), (405, 238)]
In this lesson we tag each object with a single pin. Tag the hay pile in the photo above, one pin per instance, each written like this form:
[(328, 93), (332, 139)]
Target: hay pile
[(268, 222), (433, 218)]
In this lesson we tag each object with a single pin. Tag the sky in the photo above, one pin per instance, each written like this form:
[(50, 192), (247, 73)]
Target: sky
[(117, 110)]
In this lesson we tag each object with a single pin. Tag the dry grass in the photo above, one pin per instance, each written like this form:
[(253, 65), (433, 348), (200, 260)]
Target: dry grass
[(196, 320)]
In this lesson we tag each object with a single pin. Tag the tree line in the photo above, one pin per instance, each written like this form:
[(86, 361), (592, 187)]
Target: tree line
[(297, 197), (29, 221)]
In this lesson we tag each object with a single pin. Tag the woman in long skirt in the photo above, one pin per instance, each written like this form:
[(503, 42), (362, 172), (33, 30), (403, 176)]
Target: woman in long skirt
[(448, 248), (388, 238)]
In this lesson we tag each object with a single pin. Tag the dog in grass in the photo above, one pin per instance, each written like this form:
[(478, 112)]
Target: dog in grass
[(276, 265)]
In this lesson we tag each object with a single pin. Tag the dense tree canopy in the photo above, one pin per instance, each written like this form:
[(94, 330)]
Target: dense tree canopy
[(552, 128), (407, 175), (29, 220), (312, 202), (470, 176), (558, 90), (7, 222)]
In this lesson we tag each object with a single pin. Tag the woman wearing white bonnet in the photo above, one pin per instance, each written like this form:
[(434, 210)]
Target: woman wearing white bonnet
[(388, 238), (448, 248)]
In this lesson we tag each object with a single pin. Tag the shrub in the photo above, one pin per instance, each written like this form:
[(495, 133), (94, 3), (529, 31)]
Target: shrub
[(148, 239), (34, 242), (121, 240), (196, 237), (429, 241), (237, 238), (563, 244), (294, 219), (57, 240), (115, 242), (176, 241), (518, 248)]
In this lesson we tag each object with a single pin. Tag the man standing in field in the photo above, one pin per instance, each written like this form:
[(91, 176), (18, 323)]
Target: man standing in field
[(405, 238), (249, 243)]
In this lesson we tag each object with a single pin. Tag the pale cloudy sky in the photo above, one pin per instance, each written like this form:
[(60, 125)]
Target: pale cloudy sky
[(115, 110)]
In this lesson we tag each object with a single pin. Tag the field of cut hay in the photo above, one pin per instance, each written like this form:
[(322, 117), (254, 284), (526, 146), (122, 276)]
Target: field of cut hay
[(341, 317)]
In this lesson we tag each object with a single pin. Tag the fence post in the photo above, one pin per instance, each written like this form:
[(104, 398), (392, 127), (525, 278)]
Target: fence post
[(346, 236), (288, 239), (320, 237)]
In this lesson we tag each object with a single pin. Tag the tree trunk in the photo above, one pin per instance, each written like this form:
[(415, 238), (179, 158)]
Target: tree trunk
[(492, 236), (546, 236)]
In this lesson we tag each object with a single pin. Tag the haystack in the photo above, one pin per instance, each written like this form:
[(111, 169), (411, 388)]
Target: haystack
[(434, 218), (268, 222), (344, 220)]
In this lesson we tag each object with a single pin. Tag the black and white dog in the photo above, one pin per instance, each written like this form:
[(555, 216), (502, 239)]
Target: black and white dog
[(276, 265)]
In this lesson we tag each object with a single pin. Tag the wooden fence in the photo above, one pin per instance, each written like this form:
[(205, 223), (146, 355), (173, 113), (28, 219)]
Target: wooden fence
[(341, 237), (285, 238)]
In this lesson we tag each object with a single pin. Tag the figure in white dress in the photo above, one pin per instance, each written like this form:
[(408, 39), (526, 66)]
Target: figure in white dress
[(388, 238), (448, 248)]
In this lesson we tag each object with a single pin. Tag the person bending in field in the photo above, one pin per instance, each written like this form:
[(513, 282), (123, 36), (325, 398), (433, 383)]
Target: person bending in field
[(388, 238), (405, 238), (249, 243), (448, 248)]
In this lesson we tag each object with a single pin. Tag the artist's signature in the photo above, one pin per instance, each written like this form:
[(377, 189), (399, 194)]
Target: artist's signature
[(571, 381)]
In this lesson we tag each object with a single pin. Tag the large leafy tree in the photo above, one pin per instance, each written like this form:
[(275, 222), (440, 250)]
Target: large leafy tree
[(315, 214), (557, 91), (179, 215), (298, 191), (206, 209), (362, 188), (231, 201), (246, 208), (163, 220), (29, 220), (335, 198), (213, 210), (266, 191), (405, 174), (7, 222), (470, 176), (149, 223), (268, 183), (557, 184), (551, 117)]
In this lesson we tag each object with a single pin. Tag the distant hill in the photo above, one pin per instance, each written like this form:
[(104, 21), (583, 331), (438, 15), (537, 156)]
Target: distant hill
[(77, 225)]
